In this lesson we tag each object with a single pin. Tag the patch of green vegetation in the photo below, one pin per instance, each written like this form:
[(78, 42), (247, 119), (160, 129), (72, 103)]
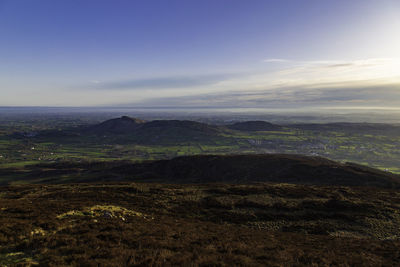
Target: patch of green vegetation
[(13, 258), (19, 164)]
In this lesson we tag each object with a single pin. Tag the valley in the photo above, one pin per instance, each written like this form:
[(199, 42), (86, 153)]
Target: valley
[(23, 143)]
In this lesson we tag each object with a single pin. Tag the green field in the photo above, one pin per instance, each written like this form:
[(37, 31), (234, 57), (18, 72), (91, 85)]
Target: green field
[(375, 150)]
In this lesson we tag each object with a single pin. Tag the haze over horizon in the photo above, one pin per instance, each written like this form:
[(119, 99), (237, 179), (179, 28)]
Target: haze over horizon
[(229, 54)]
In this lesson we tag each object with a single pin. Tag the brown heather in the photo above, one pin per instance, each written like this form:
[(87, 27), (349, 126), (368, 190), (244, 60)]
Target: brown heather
[(134, 224)]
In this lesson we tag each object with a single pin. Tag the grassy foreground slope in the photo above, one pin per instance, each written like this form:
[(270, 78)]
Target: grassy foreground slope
[(326, 213), (127, 224)]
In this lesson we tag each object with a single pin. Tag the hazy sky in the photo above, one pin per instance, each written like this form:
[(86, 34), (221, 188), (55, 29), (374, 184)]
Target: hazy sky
[(282, 53)]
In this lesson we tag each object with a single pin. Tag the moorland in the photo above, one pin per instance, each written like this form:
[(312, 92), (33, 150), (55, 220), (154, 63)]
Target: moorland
[(131, 192)]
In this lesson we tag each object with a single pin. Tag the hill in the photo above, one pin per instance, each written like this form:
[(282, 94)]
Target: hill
[(173, 128), (157, 131), (255, 126), (248, 210), (121, 125), (164, 127), (277, 168), (280, 168)]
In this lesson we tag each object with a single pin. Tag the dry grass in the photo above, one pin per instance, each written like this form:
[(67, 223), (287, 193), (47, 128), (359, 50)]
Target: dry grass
[(198, 225), (107, 211)]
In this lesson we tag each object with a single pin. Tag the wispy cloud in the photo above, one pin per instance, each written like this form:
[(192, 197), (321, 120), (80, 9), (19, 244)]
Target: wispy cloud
[(276, 60), (374, 82), (370, 62), (292, 97), (335, 63), (340, 65), (329, 71), (171, 82)]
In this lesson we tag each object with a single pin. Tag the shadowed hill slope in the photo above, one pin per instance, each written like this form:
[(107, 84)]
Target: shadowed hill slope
[(178, 127), (279, 168), (265, 168), (121, 125), (157, 128), (255, 126), (181, 124)]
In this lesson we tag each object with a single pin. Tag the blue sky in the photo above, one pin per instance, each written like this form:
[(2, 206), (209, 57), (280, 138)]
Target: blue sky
[(286, 53)]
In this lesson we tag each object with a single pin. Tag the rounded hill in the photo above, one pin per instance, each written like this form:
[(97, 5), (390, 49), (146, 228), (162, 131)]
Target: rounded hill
[(121, 125)]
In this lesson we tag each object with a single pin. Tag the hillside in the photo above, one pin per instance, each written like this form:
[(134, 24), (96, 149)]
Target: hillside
[(277, 168), (123, 125), (180, 127), (255, 126), (136, 224), (160, 131), (248, 210)]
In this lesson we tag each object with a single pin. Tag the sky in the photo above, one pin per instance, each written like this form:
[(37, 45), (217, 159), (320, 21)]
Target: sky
[(210, 53)]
